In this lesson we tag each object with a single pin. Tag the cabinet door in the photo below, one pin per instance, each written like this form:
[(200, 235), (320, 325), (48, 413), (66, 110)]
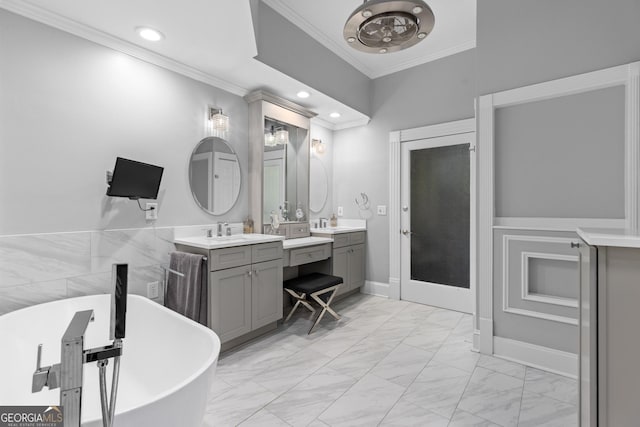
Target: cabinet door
[(230, 302), (356, 257), (340, 264), (588, 357), (266, 301)]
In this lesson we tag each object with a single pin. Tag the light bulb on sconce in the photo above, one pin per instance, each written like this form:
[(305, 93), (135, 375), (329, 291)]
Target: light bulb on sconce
[(217, 123), (317, 146)]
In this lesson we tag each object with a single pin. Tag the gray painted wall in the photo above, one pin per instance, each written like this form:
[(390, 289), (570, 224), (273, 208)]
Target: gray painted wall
[(542, 147), (69, 107), (288, 49), (525, 42), (435, 92)]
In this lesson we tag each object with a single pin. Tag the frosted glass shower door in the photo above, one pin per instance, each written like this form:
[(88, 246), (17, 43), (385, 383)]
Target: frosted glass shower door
[(437, 199)]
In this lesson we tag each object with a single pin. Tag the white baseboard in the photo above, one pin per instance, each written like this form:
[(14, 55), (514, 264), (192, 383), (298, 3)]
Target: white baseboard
[(375, 288), (394, 288), (545, 358)]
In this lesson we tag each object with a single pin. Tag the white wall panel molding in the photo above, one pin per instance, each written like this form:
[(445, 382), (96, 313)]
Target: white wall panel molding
[(506, 306), (556, 224), (485, 222), (526, 293), (632, 145), (548, 359), (627, 76)]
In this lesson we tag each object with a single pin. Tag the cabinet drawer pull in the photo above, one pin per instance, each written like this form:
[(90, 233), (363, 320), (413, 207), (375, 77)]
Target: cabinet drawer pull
[(255, 272), (249, 273), (575, 244)]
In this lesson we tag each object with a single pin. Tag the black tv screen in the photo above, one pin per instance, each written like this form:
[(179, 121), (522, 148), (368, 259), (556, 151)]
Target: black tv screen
[(135, 180)]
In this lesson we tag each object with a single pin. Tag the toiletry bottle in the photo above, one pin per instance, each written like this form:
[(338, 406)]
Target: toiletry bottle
[(333, 221)]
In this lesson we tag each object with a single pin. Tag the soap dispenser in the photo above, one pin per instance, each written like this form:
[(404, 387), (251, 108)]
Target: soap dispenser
[(333, 221)]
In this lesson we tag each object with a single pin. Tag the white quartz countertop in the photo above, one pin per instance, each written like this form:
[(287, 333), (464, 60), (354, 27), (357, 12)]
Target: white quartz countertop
[(610, 237), (338, 230), (305, 241), (227, 241)]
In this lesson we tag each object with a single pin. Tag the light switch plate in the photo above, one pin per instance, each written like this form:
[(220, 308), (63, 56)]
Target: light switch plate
[(382, 210), (340, 211), (151, 214)]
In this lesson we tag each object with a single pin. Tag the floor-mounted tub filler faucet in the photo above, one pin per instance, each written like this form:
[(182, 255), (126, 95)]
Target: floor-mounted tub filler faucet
[(67, 375)]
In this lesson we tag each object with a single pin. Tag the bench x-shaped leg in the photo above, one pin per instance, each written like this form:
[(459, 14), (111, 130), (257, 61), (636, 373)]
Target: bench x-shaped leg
[(300, 299), (325, 306)]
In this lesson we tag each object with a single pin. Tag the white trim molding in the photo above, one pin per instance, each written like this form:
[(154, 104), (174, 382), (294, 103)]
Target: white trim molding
[(375, 288), (506, 307), (526, 293), (394, 215), (556, 224), (624, 75), (536, 356)]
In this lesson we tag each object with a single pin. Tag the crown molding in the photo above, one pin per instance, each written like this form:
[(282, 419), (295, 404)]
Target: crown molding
[(340, 126), (262, 95), (300, 22), (352, 124), (323, 123), (92, 34), (470, 44)]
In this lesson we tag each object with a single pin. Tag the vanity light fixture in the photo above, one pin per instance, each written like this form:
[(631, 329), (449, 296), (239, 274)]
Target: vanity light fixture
[(317, 146), (270, 138), (149, 34), (334, 115), (384, 26), (217, 123), (282, 137), (303, 94)]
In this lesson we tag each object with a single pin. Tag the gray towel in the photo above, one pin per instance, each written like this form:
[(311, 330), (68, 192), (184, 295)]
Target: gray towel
[(188, 295)]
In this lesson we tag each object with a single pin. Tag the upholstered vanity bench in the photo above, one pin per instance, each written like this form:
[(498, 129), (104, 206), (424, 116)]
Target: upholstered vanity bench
[(315, 285)]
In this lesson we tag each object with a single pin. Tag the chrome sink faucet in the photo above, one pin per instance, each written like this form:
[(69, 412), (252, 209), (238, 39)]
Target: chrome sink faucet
[(219, 229), (68, 374)]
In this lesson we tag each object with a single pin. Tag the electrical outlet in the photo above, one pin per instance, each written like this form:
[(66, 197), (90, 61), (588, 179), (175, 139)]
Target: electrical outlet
[(382, 210), (153, 289), (340, 211), (151, 214)]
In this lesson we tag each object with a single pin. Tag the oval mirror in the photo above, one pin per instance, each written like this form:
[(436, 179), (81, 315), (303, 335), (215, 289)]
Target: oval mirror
[(319, 185), (214, 175)]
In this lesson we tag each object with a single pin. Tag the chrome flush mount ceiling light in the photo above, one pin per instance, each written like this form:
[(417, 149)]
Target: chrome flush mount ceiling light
[(384, 26)]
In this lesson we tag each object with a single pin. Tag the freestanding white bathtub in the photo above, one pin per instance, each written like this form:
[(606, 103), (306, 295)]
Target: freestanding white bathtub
[(166, 370)]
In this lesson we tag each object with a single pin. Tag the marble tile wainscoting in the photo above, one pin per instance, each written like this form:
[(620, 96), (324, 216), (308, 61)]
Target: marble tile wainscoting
[(38, 268)]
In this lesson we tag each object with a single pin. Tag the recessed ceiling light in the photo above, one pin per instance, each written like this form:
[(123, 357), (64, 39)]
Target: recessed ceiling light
[(334, 115), (303, 94), (351, 39), (416, 9), (383, 50), (422, 35), (367, 13), (149, 34)]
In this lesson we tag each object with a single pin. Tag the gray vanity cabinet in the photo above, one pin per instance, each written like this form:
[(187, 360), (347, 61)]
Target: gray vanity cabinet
[(348, 259), (245, 298), (230, 295), (266, 297), (609, 344)]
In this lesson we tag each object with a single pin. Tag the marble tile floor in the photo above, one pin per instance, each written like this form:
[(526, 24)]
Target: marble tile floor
[(386, 363)]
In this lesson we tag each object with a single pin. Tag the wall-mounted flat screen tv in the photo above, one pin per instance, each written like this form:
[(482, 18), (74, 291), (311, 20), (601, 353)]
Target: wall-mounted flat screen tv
[(135, 180)]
